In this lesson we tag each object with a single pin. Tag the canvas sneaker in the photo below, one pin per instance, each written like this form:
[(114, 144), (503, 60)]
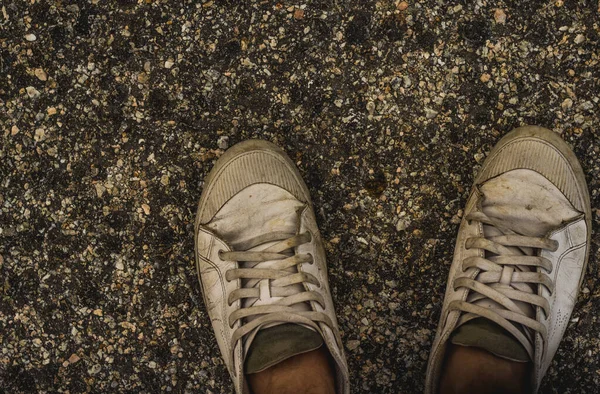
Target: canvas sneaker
[(520, 255), (261, 264)]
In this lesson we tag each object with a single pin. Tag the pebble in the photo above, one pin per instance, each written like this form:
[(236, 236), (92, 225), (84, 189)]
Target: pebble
[(370, 107), (32, 92), (223, 142), (352, 344), (402, 224), (500, 16), (579, 39), (402, 5), (169, 63), (430, 113), (100, 189), (73, 359), (40, 134), (30, 37), (567, 104), (41, 74), (95, 369)]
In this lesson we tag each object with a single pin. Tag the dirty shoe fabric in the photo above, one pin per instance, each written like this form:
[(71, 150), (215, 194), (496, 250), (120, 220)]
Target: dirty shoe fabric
[(261, 264), (520, 255)]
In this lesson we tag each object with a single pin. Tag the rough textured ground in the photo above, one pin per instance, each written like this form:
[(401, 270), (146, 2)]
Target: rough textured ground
[(112, 112)]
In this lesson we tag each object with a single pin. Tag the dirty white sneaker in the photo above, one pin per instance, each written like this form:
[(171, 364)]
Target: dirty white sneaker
[(522, 249), (259, 256)]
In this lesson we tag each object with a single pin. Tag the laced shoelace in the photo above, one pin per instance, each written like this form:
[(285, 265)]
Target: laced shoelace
[(272, 272), (506, 277)]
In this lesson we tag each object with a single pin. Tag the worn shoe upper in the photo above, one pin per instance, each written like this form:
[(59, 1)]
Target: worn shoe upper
[(260, 257), (521, 250)]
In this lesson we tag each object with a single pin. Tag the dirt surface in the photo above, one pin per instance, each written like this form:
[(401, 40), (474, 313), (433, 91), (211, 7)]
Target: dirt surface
[(112, 112)]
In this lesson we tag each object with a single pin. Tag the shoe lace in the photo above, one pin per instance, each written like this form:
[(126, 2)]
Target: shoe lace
[(508, 271), (272, 272)]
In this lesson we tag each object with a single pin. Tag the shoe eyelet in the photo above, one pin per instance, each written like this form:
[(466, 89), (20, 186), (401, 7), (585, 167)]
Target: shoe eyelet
[(220, 254), (310, 237), (312, 259)]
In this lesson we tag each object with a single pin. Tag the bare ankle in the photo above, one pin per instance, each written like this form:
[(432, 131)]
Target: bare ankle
[(307, 373), (476, 371)]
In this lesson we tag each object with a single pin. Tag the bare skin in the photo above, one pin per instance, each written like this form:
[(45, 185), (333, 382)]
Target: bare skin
[(476, 371), (307, 373)]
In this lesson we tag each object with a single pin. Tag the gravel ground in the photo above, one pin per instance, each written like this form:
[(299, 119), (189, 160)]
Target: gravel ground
[(112, 112)]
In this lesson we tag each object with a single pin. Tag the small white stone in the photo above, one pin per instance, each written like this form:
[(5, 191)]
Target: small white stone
[(32, 92), (169, 63), (362, 240), (579, 38), (119, 266), (223, 142), (370, 107), (95, 369), (402, 224), (30, 37), (352, 344), (152, 364), (430, 113)]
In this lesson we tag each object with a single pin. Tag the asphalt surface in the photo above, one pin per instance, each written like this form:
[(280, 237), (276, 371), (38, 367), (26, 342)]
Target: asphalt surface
[(112, 112)]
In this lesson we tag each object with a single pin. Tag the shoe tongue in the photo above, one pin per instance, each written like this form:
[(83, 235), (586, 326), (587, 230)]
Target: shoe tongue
[(526, 202), (257, 210), (254, 212)]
